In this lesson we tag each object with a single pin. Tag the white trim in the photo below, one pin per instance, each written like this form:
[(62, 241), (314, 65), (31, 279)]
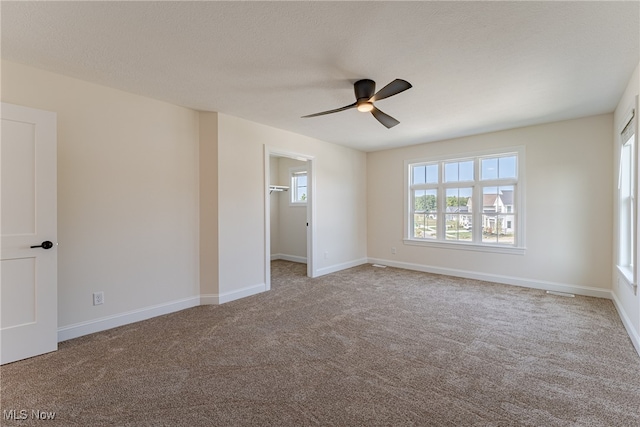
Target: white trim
[(628, 325), (217, 299), (102, 324), (627, 276), (497, 278), (467, 246), (292, 258), (266, 157), (627, 117), (338, 267), (311, 216)]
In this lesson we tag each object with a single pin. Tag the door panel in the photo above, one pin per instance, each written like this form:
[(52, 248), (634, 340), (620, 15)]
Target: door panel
[(18, 178), (28, 276), (18, 292)]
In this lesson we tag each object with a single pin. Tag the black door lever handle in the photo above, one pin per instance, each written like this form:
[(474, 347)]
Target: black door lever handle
[(45, 245)]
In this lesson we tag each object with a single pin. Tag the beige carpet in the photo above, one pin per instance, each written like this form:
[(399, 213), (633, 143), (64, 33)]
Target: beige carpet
[(362, 347)]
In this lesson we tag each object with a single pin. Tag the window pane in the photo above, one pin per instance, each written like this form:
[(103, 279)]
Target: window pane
[(451, 172), (424, 174), (498, 229), (458, 171), (507, 167), (458, 198), (490, 199), (419, 175), (302, 194), (499, 167), (489, 229), (457, 214), (505, 229), (425, 201), (505, 193), (425, 226), (466, 171), (458, 227), (432, 174), (498, 199), (299, 187), (489, 168)]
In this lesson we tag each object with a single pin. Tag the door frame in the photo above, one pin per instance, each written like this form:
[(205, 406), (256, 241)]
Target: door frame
[(311, 214)]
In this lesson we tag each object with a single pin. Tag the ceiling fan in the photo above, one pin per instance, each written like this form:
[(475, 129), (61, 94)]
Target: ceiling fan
[(364, 90)]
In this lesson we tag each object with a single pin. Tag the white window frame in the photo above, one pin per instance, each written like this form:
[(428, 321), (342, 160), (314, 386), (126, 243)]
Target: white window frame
[(518, 247), (293, 174), (626, 259)]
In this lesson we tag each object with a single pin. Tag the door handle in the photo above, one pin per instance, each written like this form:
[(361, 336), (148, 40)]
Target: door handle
[(44, 245)]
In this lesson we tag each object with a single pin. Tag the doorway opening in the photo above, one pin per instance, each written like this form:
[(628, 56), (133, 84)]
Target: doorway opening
[(288, 210)]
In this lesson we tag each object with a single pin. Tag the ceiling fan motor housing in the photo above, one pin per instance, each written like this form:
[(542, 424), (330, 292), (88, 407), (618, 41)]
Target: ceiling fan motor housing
[(364, 90)]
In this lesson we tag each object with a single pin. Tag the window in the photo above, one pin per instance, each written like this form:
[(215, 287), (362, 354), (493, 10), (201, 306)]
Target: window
[(627, 202), (471, 201), (298, 186)]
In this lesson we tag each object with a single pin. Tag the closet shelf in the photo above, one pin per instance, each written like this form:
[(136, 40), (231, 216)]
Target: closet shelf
[(278, 188)]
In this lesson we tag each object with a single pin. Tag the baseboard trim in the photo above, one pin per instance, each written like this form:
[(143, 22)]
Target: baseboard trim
[(338, 267), (102, 324), (217, 299), (292, 258), (497, 278), (633, 334)]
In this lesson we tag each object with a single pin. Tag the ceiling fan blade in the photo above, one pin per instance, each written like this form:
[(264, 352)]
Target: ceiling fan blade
[(346, 107), (384, 118), (393, 88)]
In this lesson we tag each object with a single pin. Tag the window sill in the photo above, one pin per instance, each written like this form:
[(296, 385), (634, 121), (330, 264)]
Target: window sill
[(467, 246), (627, 275)]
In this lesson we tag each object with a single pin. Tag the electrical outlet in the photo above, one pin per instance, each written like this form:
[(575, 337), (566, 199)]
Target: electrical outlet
[(326, 255), (98, 298), (393, 250)]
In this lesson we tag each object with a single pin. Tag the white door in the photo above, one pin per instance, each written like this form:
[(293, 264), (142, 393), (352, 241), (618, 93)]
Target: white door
[(28, 274)]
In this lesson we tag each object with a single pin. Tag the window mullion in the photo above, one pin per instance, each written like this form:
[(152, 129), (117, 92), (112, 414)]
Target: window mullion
[(476, 214), (440, 207)]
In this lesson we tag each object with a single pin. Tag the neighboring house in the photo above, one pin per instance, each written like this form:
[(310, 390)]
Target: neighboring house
[(497, 203), (461, 214)]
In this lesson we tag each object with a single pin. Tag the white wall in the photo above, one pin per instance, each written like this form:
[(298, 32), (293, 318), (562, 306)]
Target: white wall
[(340, 201), (568, 208), (127, 195), (208, 192), (627, 302)]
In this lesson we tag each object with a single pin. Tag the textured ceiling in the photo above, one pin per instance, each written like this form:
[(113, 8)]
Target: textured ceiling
[(475, 66)]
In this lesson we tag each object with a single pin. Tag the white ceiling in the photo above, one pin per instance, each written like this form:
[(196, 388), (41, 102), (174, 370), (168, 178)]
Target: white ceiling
[(475, 66)]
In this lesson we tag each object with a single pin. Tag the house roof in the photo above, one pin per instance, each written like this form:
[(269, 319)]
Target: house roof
[(475, 66), (507, 197), (489, 199)]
